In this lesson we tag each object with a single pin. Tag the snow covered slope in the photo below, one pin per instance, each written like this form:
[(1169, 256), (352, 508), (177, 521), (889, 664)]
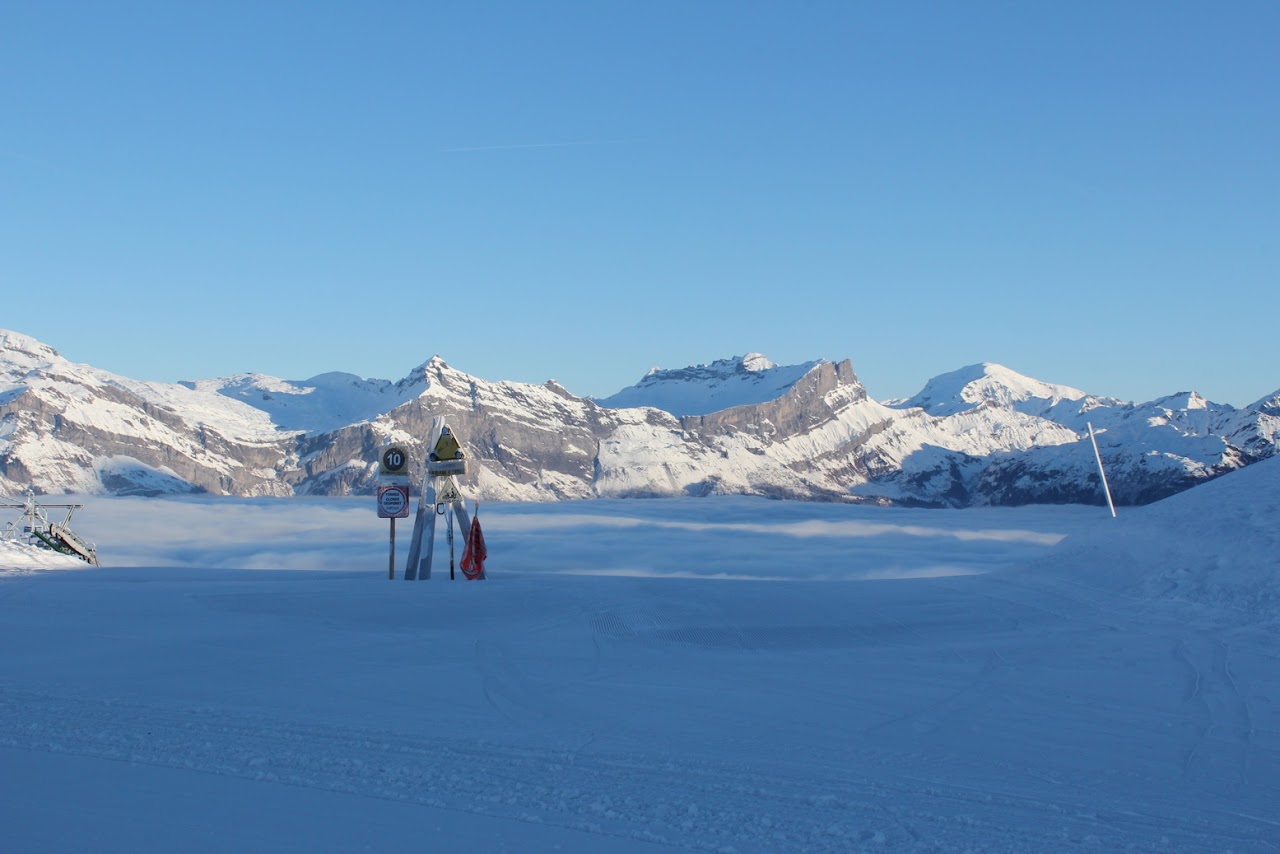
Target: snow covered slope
[(320, 404), (992, 384), (1269, 404), (68, 427), (703, 389), (1215, 548), (730, 674), (22, 557)]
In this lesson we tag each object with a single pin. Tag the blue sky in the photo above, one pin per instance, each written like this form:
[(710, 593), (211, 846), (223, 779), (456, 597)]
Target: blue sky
[(1088, 193)]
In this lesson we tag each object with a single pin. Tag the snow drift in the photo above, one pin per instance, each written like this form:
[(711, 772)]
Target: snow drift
[(1213, 547)]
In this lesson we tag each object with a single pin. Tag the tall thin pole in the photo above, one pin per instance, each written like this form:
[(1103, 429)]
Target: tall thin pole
[(449, 523), (1101, 471), (391, 565)]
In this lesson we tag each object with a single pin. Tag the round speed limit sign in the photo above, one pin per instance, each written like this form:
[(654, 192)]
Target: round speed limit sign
[(393, 460)]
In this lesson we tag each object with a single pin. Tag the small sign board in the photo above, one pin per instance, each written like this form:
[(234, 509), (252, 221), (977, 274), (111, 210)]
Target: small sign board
[(393, 501), (393, 460), (441, 468), (448, 492)]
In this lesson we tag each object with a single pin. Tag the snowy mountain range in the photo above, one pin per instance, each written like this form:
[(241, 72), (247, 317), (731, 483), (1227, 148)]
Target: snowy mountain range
[(981, 435)]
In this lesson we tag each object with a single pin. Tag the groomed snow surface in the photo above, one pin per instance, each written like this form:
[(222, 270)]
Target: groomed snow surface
[(712, 675)]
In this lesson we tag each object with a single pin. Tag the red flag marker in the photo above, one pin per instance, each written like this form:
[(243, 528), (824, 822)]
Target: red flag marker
[(473, 556)]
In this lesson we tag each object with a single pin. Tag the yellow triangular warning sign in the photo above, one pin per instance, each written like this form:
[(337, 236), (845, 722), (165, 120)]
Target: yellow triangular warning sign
[(447, 447)]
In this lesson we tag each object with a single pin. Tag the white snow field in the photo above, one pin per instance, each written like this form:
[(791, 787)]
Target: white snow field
[(726, 675)]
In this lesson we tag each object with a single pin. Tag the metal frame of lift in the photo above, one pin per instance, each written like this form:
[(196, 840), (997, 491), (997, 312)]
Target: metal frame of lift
[(35, 526)]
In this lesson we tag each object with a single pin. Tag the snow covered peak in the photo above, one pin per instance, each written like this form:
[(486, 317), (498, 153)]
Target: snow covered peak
[(420, 376), (21, 353), (1185, 400), (756, 362), (992, 384), (1269, 404), (703, 389), (433, 367), (16, 342)]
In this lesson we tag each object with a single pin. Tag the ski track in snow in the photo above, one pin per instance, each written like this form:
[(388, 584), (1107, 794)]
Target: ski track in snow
[(1224, 726), (712, 806), (1012, 712)]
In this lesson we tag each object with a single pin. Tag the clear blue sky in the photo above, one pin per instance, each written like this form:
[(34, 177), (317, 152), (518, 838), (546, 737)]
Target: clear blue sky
[(1088, 193)]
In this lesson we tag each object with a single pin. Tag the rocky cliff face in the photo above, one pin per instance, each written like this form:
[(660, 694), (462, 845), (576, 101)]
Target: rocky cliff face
[(525, 442), (980, 435)]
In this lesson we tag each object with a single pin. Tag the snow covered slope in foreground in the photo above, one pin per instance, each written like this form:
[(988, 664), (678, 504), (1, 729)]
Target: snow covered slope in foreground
[(726, 674), (1214, 547)]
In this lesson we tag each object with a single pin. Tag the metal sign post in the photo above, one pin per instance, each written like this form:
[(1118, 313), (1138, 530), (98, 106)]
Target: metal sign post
[(440, 492), (393, 493)]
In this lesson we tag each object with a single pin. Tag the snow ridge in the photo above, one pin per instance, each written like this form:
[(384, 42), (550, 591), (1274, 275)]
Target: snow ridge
[(703, 389), (1269, 404), (322, 403)]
